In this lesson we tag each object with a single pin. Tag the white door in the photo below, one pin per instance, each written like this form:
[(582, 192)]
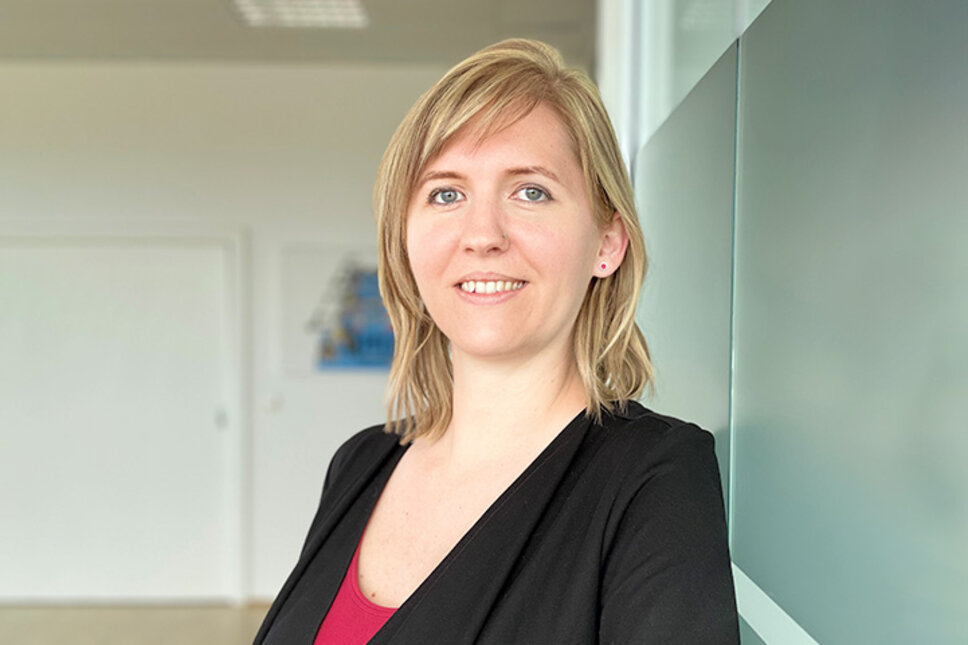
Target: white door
[(115, 451)]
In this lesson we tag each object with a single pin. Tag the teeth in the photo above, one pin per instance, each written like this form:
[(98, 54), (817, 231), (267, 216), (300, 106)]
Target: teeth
[(492, 286)]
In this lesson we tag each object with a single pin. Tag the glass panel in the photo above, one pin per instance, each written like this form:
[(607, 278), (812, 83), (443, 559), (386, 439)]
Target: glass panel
[(747, 636), (684, 185), (747, 11), (850, 491), (680, 40)]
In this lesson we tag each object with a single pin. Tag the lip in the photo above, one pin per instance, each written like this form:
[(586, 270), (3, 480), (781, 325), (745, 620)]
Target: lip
[(488, 277), (488, 298)]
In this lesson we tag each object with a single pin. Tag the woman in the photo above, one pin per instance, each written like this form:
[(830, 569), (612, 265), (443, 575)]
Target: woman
[(516, 495)]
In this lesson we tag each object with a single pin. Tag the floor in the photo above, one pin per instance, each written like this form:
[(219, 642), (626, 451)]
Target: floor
[(206, 625)]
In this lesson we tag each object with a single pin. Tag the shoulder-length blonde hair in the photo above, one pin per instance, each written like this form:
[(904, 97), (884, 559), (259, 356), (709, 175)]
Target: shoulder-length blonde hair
[(499, 85)]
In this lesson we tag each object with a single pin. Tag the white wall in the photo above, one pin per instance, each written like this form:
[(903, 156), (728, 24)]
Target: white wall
[(284, 154), (615, 64)]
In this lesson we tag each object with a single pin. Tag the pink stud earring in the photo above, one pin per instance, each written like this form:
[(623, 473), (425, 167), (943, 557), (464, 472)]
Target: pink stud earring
[(604, 266)]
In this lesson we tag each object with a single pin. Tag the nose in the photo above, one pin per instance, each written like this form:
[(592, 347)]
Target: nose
[(484, 229)]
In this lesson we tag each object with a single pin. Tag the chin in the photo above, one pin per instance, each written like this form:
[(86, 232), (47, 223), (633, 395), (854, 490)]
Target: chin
[(485, 344)]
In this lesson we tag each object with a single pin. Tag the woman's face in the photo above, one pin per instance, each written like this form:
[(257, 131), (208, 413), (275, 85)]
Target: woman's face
[(502, 239)]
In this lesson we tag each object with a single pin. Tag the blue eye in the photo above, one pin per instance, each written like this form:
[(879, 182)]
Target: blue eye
[(445, 196), (533, 194)]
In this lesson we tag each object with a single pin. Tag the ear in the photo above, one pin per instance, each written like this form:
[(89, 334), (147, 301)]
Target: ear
[(611, 251)]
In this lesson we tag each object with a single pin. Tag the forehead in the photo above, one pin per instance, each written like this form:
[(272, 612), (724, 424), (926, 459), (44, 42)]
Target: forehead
[(538, 132)]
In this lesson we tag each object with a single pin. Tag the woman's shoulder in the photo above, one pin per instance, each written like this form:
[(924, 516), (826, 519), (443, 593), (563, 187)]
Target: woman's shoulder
[(633, 423), (361, 450), (639, 440), (368, 439)]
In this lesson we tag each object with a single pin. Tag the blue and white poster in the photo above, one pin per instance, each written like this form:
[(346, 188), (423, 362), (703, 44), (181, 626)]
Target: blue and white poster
[(331, 315)]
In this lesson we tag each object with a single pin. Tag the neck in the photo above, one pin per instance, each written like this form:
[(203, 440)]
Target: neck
[(513, 407)]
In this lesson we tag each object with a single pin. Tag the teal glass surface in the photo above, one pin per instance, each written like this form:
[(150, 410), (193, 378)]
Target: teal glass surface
[(701, 32), (850, 486), (678, 42), (747, 636), (684, 187)]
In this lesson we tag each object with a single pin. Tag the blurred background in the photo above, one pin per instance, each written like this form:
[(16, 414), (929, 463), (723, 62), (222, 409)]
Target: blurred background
[(186, 242)]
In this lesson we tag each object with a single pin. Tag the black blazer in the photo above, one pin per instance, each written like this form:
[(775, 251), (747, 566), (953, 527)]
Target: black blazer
[(614, 534)]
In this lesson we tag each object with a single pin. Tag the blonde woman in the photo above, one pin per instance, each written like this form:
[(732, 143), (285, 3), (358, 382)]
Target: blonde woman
[(517, 493)]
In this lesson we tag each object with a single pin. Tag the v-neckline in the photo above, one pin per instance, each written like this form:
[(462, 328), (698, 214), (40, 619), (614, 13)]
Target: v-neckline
[(580, 421)]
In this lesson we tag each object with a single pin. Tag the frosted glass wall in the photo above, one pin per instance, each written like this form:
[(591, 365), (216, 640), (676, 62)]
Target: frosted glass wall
[(678, 41), (850, 498), (684, 186), (847, 247)]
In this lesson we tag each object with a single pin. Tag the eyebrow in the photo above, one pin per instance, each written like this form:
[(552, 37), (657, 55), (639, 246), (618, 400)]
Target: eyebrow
[(440, 174), (534, 170), (523, 170)]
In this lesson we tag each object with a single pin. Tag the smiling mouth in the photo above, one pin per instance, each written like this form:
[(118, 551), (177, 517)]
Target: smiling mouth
[(491, 286)]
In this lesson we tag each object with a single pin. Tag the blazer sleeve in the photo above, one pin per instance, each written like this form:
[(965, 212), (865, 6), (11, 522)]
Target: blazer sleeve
[(667, 576)]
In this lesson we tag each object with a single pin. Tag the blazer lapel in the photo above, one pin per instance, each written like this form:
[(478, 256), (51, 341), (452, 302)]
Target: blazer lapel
[(454, 602), (344, 510)]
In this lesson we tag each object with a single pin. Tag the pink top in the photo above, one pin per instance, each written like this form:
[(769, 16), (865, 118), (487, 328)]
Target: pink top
[(352, 619)]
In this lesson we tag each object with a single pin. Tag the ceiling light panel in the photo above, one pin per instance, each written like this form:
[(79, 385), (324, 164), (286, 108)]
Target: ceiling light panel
[(340, 14)]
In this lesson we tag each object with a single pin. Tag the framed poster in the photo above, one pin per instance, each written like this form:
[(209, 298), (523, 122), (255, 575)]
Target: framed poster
[(332, 316)]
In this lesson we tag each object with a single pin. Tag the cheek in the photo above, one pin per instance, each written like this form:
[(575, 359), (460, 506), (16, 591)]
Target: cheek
[(575, 255), (427, 251)]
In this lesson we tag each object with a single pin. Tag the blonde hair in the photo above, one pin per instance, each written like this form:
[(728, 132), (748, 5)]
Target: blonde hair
[(496, 86)]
